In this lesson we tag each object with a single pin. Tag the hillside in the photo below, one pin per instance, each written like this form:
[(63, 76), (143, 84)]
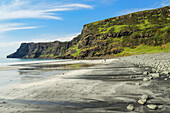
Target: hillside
[(135, 33)]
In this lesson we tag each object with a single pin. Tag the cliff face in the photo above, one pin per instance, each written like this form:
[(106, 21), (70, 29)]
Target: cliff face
[(106, 37), (43, 50)]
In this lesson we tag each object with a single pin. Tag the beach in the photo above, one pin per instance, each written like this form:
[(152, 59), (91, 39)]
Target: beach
[(90, 86)]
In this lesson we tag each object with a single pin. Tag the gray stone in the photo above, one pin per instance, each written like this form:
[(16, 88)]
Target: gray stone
[(160, 107), (165, 72), (137, 84), (3, 102), (145, 97), (145, 73), (155, 75), (142, 101), (150, 78), (131, 76), (130, 107), (166, 79), (153, 70), (152, 106), (145, 79)]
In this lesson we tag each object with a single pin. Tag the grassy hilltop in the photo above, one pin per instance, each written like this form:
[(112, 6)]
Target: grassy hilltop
[(136, 33)]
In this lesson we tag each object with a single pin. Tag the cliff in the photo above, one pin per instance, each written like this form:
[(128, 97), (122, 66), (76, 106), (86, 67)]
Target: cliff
[(109, 37), (43, 50)]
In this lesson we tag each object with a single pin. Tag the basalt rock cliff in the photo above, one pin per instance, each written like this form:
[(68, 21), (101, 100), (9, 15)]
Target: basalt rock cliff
[(108, 37)]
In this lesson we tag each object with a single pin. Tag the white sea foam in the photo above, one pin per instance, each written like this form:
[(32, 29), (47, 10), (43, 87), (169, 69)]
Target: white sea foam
[(7, 62)]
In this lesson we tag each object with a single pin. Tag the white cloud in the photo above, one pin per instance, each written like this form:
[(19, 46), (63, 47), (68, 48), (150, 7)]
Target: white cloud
[(54, 37), (25, 9), (29, 9), (127, 11), (44, 38), (132, 10), (8, 44), (18, 9), (7, 48), (14, 26), (77, 6), (165, 3), (102, 1)]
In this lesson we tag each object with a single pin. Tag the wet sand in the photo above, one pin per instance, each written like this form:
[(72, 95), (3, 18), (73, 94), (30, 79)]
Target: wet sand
[(88, 86)]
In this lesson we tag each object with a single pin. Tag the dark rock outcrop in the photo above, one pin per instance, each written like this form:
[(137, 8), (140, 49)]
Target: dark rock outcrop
[(43, 50)]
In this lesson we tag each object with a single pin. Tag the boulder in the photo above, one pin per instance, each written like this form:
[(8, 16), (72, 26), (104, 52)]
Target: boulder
[(166, 79), (130, 107), (142, 101), (152, 106), (153, 70), (145, 97), (132, 76), (145, 73), (150, 78), (3, 102), (145, 79), (160, 107), (137, 84), (165, 72), (155, 75)]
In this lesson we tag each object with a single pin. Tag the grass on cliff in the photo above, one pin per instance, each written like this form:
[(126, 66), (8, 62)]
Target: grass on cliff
[(144, 49), (77, 51)]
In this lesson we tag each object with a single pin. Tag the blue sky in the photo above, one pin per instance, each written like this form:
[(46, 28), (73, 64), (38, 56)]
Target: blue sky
[(49, 20)]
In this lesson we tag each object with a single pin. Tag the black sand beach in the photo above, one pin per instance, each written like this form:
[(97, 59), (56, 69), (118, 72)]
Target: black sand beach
[(91, 86)]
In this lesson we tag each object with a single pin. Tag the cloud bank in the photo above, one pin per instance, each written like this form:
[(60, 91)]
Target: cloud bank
[(132, 10), (14, 26), (165, 3), (17, 9), (25, 9)]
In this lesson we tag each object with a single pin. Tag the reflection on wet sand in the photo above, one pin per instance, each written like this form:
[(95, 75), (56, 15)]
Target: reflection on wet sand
[(85, 88)]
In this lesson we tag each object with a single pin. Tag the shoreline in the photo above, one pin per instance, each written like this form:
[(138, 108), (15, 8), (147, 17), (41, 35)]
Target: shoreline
[(104, 87)]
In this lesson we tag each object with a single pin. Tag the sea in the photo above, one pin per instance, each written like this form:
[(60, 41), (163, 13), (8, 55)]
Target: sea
[(20, 76), (13, 61)]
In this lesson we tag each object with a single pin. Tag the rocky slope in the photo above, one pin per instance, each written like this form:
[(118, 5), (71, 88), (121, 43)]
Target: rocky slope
[(109, 37)]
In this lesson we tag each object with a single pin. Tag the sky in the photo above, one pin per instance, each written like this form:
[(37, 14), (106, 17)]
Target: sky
[(50, 20)]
